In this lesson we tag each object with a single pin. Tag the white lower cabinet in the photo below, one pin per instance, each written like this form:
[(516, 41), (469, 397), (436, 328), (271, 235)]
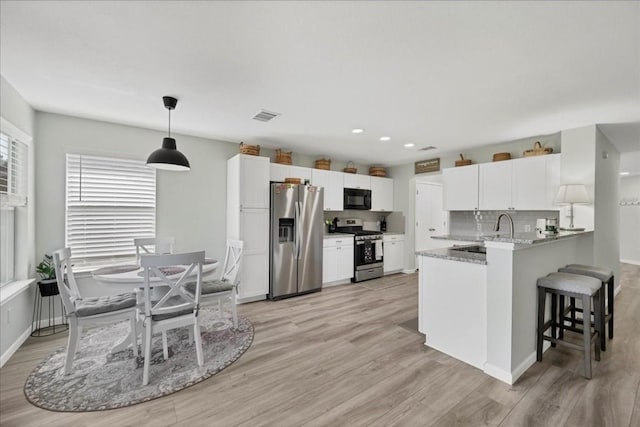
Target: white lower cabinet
[(393, 252), (337, 263)]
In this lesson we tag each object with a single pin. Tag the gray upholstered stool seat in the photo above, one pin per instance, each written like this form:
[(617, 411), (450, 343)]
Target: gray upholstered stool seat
[(97, 305), (605, 276), (574, 286)]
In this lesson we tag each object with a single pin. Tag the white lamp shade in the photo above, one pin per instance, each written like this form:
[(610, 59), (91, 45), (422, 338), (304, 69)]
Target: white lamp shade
[(572, 193)]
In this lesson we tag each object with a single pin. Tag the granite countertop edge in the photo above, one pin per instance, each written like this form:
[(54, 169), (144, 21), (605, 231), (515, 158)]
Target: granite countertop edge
[(520, 238), (446, 253)]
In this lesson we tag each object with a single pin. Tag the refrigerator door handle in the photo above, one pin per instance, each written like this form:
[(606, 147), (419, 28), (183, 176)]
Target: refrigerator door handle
[(298, 238)]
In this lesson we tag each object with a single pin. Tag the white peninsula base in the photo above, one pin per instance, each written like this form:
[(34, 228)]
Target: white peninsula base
[(485, 315)]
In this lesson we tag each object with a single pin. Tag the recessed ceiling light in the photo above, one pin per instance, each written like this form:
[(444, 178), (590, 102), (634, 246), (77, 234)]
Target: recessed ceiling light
[(385, 138), (409, 145), (357, 131), (624, 173)]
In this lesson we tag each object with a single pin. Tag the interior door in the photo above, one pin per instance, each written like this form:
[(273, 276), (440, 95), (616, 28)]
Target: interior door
[(431, 219)]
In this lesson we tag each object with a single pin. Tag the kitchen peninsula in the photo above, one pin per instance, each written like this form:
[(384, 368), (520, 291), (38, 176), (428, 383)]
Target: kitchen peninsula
[(481, 307)]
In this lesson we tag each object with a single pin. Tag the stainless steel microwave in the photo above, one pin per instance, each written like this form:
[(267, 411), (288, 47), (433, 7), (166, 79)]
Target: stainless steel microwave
[(356, 198)]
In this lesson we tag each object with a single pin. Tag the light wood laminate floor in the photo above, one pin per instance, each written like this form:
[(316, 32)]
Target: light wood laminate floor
[(340, 358)]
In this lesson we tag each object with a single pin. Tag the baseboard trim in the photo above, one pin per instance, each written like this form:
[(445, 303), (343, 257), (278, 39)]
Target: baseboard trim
[(630, 261), (511, 377), (409, 270), (14, 347)]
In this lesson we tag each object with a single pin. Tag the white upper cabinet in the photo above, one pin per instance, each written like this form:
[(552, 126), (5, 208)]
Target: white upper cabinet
[(353, 180), (495, 186), (248, 182), (460, 192), (527, 183), (333, 188), (279, 172), (381, 194)]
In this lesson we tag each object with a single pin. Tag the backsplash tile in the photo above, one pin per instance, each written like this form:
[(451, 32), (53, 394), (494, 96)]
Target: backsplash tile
[(472, 222)]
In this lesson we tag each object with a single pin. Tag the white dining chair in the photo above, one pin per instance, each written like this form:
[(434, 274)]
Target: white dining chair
[(177, 308), (160, 245), (226, 287), (91, 310)]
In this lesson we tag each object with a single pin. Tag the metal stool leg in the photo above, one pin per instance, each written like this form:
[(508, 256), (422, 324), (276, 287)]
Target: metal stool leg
[(542, 295)]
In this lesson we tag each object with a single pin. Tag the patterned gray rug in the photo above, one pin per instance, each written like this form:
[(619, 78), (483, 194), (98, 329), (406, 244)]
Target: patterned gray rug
[(101, 380)]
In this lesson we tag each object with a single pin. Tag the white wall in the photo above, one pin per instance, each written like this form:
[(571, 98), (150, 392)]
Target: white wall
[(190, 205), (630, 219), (589, 158), (606, 241), (15, 313)]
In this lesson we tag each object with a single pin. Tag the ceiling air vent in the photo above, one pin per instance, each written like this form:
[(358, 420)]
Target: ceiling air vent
[(431, 147), (265, 116)]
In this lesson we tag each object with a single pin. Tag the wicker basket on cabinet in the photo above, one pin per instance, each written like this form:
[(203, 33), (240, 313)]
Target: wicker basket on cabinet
[(377, 171), (252, 150), (351, 168), (283, 157), (324, 164)]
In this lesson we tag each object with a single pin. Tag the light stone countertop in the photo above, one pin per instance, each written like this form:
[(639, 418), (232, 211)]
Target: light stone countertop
[(519, 238), (452, 255)]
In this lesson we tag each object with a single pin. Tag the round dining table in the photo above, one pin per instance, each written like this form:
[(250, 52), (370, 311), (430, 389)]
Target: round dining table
[(133, 274)]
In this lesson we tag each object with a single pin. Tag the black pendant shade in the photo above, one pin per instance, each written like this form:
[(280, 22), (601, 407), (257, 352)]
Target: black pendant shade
[(168, 157)]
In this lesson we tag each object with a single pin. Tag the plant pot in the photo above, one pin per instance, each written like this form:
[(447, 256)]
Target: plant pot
[(48, 287)]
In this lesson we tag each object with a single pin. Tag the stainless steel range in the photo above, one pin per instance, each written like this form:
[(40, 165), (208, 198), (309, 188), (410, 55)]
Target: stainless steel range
[(368, 250)]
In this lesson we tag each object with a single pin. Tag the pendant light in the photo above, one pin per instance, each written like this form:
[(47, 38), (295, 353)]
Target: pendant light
[(168, 157)]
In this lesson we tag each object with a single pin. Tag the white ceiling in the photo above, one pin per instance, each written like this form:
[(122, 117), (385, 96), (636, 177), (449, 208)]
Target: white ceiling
[(450, 74)]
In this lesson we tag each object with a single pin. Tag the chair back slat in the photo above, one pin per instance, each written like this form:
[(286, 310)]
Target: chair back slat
[(167, 304), (68, 288), (161, 245), (232, 261)]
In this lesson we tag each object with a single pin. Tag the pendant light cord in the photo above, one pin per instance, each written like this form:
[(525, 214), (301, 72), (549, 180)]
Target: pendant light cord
[(169, 122)]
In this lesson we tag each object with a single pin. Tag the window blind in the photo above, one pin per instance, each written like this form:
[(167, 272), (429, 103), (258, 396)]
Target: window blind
[(13, 171), (109, 202)]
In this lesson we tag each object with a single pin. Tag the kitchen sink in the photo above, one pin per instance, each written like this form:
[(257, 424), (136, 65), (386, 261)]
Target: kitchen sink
[(476, 249)]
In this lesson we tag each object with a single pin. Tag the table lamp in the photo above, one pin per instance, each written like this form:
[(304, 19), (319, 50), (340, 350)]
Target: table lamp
[(570, 194)]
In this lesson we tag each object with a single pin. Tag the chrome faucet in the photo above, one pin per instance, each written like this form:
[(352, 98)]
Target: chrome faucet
[(497, 227)]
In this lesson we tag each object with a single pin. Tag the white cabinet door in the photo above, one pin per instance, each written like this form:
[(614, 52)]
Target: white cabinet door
[(254, 232), (345, 262), (495, 186), (393, 255), (529, 183), (329, 264), (553, 180), (460, 191), (254, 182), (279, 172), (333, 188), (381, 194), (353, 180)]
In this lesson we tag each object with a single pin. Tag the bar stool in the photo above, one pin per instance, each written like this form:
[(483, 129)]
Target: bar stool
[(605, 276), (572, 286)]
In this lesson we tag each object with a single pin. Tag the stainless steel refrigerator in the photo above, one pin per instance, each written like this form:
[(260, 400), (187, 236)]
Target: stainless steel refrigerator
[(297, 230)]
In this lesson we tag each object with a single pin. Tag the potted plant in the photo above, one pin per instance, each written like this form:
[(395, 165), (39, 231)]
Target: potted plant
[(48, 284)]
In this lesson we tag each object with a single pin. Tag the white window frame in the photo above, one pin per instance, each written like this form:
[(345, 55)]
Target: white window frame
[(13, 200), (105, 195)]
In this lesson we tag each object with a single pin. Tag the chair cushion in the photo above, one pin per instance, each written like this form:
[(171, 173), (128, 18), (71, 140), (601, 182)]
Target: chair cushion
[(175, 300), (97, 305), (600, 273), (570, 283), (210, 287)]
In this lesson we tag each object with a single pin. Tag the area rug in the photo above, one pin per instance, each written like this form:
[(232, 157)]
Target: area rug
[(384, 283), (101, 380)]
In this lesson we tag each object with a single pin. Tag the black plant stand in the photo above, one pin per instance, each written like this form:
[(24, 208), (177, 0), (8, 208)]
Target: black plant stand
[(47, 289)]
